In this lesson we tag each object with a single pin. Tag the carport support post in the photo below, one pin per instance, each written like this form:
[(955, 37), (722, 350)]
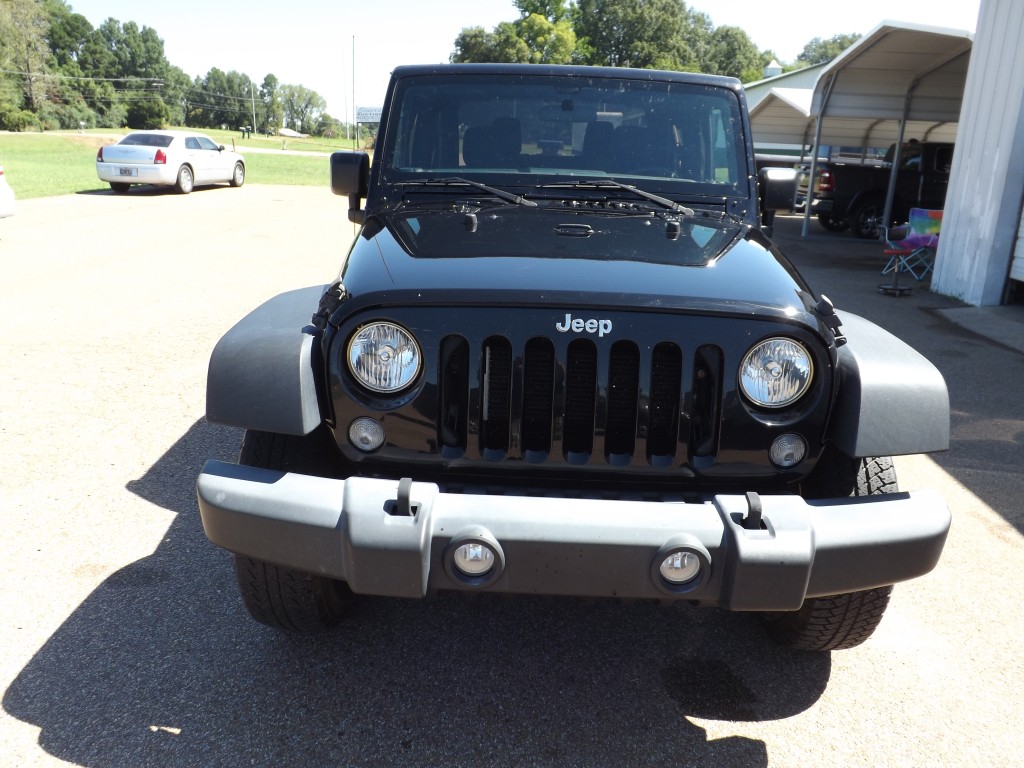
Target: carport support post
[(810, 180), (897, 158), (819, 119)]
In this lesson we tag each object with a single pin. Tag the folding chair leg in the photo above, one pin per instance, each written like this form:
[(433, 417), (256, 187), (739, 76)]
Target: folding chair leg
[(910, 264), (920, 263)]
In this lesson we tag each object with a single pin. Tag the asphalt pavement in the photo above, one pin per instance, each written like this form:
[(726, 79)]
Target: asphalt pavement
[(124, 642)]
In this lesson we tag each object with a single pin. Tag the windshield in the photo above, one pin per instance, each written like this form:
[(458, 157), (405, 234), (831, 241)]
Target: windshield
[(680, 139)]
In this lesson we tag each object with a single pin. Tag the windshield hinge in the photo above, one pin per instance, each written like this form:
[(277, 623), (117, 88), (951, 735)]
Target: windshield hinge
[(827, 312), (333, 297)]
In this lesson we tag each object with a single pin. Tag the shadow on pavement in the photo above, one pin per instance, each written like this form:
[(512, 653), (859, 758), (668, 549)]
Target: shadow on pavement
[(161, 666), (146, 190)]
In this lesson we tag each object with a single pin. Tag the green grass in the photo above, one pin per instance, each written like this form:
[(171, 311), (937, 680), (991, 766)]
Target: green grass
[(46, 164), (41, 165), (263, 168)]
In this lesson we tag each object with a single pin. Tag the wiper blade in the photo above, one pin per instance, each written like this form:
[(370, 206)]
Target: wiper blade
[(458, 180), (672, 205)]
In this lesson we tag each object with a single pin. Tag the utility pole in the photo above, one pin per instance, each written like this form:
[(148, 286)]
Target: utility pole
[(252, 95), (355, 125)]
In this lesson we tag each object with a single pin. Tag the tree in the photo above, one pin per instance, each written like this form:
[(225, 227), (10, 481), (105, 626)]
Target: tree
[(698, 34), (271, 114), (175, 93), (67, 33), (221, 98), (146, 109), (548, 42), (733, 53), (23, 47), (552, 10), (820, 51), (649, 34), (302, 108), (503, 45)]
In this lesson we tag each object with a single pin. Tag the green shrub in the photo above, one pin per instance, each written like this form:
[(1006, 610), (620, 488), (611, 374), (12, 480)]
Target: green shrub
[(19, 120)]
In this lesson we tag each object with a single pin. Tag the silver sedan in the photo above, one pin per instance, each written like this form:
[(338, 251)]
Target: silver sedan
[(181, 159)]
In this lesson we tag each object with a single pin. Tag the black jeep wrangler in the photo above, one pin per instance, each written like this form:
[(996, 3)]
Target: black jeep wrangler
[(563, 357)]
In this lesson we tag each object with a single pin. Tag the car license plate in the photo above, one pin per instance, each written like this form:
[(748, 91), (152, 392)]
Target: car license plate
[(127, 171)]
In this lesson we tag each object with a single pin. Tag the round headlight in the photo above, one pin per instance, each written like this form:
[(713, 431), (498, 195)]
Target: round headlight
[(776, 373), (384, 357)]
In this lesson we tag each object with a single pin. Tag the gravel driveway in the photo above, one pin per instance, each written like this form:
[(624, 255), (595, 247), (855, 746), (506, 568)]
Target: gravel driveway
[(125, 644)]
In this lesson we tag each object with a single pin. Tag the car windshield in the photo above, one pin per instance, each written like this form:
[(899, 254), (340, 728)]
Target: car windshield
[(678, 139), (147, 139)]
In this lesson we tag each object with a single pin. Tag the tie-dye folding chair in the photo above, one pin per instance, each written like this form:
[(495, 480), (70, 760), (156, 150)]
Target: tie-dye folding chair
[(911, 248)]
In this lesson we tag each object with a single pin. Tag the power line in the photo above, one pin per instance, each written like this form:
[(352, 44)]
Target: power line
[(80, 77)]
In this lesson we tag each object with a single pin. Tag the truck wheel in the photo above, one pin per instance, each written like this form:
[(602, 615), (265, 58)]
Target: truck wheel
[(866, 219), (840, 621), (833, 224), (119, 187), (274, 595)]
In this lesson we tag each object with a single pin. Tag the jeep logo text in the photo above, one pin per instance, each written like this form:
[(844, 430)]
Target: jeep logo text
[(579, 325)]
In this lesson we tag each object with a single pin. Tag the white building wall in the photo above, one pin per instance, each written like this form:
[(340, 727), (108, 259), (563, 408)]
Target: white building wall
[(983, 206)]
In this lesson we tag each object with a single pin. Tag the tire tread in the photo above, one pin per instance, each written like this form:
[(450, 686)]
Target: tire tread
[(838, 622), (275, 595)]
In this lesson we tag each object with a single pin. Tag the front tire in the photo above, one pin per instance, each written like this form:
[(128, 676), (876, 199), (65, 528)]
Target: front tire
[(238, 175), (846, 620), (186, 181), (284, 598), (281, 597)]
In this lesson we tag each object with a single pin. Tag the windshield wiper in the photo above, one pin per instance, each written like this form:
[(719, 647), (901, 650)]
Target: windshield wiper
[(672, 205), (458, 180)]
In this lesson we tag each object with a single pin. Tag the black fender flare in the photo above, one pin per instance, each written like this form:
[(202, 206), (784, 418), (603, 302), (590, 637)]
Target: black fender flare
[(892, 400), (263, 372)]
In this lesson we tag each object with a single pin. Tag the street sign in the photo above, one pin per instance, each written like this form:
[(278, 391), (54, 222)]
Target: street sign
[(368, 114)]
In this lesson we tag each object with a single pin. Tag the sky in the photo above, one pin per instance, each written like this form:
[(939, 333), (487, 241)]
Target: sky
[(320, 43)]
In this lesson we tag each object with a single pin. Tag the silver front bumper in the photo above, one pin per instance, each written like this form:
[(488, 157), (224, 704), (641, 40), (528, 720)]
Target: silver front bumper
[(350, 530)]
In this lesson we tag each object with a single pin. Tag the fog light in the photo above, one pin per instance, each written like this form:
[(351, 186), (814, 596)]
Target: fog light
[(366, 434), (787, 451), (474, 558), (680, 567)]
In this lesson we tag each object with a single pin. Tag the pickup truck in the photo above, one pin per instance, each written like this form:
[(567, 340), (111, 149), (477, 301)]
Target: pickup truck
[(852, 196), (562, 356)]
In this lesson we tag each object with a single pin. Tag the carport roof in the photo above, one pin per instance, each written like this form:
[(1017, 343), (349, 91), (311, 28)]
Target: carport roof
[(783, 117), (896, 69)]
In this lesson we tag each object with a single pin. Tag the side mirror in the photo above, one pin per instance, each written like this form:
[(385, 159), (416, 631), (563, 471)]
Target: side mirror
[(777, 192), (350, 176), (777, 187)]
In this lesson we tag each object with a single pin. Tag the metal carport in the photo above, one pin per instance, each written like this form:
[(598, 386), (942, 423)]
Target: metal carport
[(899, 75), (784, 117)]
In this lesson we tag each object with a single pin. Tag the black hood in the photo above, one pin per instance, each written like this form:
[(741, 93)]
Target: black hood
[(512, 255)]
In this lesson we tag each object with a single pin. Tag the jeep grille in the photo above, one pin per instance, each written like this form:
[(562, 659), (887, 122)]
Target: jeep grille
[(578, 403)]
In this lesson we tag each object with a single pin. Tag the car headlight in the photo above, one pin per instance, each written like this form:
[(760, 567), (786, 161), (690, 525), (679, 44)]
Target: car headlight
[(776, 373), (384, 357)]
